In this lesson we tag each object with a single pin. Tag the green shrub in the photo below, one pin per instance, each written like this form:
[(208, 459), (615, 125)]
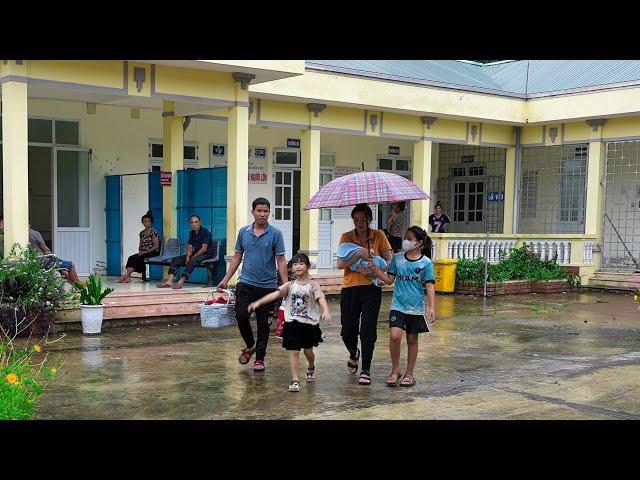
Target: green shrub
[(470, 271), (30, 293), (520, 264)]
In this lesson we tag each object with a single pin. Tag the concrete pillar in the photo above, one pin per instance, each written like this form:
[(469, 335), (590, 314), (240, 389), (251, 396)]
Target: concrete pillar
[(421, 209), (237, 174), (15, 169), (594, 202), (310, 184), (509, 190), (172, 161)]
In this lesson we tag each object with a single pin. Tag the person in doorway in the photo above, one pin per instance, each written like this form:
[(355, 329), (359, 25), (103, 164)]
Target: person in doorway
[(149, 246), (303, 300), (199, 248), (395, 226), (360, 299), (410, 269), (260, 244), (66, 267), (438, 220)]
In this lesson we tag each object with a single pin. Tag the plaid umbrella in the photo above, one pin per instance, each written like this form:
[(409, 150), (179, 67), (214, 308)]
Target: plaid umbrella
[(366, 187)]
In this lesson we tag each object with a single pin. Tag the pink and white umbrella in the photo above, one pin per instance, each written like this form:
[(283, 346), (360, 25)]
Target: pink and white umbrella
[(366, 187)]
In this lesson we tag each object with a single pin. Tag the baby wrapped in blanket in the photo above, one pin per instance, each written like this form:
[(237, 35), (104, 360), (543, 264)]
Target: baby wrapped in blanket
[(347, 250)]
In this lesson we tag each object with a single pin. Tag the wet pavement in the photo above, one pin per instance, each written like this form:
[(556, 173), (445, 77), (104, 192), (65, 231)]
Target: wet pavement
[(564, 356)]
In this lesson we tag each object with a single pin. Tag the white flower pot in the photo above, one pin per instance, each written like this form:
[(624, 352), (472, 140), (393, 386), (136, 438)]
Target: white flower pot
[(91, 318)]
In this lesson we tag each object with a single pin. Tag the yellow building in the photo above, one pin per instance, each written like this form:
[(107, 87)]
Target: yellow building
[(544, 152)]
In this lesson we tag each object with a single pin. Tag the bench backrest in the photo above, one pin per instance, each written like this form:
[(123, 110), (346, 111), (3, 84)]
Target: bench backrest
[(215, 251), (171, 248)]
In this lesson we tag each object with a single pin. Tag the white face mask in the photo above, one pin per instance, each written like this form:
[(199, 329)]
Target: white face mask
[(408, 245)]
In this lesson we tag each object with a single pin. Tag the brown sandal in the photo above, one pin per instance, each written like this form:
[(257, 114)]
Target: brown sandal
[(408, 381), (391, 381)]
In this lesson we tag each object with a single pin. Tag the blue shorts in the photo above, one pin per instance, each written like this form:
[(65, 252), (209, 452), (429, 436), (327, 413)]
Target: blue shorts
[(65, 264)]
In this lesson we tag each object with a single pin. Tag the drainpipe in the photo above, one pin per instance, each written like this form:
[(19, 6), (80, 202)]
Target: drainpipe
[(516, 187)]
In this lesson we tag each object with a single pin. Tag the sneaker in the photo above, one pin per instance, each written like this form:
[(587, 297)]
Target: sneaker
[(258, 366)]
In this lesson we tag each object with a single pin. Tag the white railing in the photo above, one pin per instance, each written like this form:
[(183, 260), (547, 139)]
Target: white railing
[(545, 249), (587, 257), (548, 249), (474, 248)]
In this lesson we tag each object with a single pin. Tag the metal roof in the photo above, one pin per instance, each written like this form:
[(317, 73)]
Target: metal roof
[(521, 78)]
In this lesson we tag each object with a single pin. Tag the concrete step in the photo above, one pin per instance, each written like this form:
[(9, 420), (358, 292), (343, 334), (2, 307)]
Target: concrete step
[(164, 310), (615, 281)]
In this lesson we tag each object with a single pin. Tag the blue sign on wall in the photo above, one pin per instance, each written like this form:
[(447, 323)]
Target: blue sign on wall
[(495, 196), (293, 142), (394, 150), (217, 150)]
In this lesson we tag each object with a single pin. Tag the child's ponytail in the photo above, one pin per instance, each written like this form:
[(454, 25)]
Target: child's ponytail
[(422, 236)]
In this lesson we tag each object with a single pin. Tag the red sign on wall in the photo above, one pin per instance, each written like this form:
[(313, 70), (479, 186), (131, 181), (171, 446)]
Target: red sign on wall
[(165, 179)]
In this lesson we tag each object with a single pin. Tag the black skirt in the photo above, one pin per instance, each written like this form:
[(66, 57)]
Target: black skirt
[(298, 335)]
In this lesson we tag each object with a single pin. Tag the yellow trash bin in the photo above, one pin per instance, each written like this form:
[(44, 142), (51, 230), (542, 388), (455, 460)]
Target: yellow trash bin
[(445, 272)]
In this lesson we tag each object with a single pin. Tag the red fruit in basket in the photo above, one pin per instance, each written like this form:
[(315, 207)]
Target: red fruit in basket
[(220, 300)]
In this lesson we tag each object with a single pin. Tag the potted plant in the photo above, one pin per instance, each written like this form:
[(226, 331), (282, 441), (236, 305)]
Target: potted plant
[(91, 308)]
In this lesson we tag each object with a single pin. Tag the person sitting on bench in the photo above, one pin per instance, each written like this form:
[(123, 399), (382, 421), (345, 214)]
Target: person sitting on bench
[(149, 246), (199, 248), (66, 267)]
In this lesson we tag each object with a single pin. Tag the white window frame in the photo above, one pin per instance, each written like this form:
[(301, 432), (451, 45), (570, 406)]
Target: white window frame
[(277, 150), (394, 159), (333, 162), (158, 161)]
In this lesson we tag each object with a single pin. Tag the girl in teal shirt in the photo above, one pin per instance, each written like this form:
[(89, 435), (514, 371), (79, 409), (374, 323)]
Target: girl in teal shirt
[(410, 269)]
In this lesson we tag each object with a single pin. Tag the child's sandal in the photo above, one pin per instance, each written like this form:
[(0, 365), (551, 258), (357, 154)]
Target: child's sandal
[(295, 386), (408, 381), (311, 374)]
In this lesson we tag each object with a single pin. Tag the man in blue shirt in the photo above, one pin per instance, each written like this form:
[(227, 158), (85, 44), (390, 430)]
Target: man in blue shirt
[(260, 244), (199, 248)]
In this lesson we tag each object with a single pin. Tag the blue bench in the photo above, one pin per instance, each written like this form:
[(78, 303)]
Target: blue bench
[(171, 248)]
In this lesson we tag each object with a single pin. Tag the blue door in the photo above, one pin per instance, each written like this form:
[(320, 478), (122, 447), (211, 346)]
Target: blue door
[(155, 205), (203, 192), (114, 227)]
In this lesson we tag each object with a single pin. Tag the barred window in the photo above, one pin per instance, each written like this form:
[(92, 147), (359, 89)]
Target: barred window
[(529, 194)]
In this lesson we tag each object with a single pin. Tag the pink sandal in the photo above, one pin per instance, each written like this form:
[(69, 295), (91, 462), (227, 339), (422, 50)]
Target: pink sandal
[(246, 355)]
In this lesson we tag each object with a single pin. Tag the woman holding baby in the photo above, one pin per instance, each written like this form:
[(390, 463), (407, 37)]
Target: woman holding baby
[(361, 297)]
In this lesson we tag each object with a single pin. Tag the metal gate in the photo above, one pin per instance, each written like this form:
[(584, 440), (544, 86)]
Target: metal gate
[(621, 227), (475, 204)]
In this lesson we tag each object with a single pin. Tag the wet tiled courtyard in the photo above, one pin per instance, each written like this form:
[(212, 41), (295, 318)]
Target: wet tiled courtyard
[(565, 356)]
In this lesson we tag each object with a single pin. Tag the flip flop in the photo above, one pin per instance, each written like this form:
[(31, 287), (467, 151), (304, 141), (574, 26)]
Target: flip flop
[(176, 286), (395, 382), (163, 285)]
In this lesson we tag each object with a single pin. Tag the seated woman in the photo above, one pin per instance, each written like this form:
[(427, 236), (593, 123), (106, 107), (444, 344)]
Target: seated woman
[(149, 247)]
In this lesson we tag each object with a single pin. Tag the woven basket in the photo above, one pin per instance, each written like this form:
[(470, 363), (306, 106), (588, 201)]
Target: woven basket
[(218, 315)]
